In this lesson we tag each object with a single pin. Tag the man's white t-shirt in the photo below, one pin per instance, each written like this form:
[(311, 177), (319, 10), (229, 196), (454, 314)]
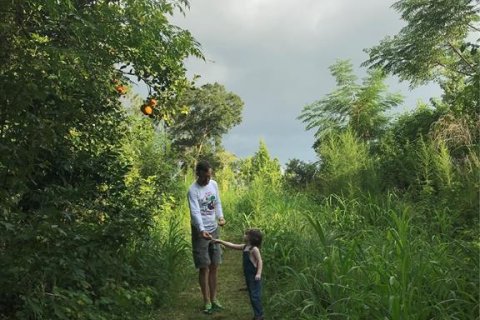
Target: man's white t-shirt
[(205, 206)]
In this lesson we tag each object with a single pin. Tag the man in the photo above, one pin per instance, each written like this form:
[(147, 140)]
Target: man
[(205, 210)]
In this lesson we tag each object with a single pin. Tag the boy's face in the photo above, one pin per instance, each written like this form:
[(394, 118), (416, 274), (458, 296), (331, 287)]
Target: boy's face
[(204, 177)]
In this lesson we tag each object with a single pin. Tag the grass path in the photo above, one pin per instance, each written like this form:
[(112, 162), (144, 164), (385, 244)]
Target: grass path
[(231, 293)]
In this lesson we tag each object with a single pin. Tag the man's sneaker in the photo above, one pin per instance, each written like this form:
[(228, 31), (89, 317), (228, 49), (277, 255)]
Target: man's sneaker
[(208, 308), (216, 306)]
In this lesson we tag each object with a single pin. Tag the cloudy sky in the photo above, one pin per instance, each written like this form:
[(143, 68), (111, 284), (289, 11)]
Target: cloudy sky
[(275, 55)]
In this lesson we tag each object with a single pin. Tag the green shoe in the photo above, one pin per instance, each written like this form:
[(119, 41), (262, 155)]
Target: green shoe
[(216, 306), (208, 308)]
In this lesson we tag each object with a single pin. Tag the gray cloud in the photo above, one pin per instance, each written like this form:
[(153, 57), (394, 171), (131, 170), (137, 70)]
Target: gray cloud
[(275, 55)]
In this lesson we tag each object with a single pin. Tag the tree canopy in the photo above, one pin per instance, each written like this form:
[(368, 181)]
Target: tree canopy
[(434, 42), (212, 112), (360, 107)]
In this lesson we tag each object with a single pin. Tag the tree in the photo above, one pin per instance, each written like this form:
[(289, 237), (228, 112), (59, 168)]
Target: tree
[(350, 105), (261, 166), (435, 151), (67, 216), (436, 45), (300, 174), (433, 42), (398, 147), (212, 112)]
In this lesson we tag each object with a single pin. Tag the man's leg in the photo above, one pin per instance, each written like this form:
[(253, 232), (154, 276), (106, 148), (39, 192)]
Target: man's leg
[(201, 259), (212, 281), (215, 253), (203, 279)]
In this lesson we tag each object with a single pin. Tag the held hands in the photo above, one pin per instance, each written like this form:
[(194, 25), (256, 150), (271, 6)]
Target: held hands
[(205, 235)]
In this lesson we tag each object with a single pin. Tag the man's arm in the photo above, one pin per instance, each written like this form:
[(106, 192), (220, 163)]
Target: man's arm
[(195, 214), (256, 254), (218, 207)]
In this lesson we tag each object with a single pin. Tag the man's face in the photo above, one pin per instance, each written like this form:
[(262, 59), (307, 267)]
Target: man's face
[(204, 177)]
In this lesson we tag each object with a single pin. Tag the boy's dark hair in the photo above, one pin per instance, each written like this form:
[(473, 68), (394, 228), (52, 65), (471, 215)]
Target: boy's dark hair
[(202, 166), (255, 237)]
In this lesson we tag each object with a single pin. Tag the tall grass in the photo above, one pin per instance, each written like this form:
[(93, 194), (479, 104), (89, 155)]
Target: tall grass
[(446, 189), (347, 166), (349, 249), (364, 257)]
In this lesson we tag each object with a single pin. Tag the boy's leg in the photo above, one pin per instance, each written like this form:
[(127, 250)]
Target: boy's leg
[(254, 293), (255, 298)]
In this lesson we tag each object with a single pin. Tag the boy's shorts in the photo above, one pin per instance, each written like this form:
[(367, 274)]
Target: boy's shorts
[(204, 251)]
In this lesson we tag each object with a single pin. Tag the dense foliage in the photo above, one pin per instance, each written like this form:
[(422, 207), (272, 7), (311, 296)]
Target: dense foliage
[(212, 111), (360, 108), (93, 220), (387, 227), (259, 167), (72, 217)]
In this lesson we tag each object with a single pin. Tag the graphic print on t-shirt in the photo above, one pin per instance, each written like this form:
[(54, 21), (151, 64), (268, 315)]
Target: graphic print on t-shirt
[(208, 203)]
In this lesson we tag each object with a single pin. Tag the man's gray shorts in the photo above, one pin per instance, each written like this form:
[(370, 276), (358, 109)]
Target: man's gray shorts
[(204, 251)]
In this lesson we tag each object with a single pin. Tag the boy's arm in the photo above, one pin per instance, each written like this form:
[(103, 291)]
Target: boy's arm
[(258, 258), (230, 245)]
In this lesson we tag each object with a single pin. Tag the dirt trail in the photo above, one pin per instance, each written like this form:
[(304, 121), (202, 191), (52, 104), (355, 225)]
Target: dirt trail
[(231, 293)]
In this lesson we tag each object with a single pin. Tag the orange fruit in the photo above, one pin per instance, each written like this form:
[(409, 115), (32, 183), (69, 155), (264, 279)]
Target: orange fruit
[(152, 102), (121, 89), (147, 110)]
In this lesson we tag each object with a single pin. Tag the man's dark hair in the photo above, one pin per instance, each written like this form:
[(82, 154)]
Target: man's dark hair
[(202, 166), (254, 237)]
